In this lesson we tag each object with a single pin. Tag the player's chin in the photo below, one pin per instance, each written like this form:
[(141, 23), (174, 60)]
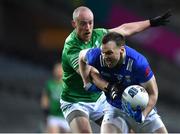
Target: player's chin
[(110, 65), (87, 38)]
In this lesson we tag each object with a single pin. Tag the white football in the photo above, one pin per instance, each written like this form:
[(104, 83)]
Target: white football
[(136, 95)]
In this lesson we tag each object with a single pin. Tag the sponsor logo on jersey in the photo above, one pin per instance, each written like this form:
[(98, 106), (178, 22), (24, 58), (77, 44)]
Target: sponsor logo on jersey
[(97, 44), (128, 78), (119, 77)]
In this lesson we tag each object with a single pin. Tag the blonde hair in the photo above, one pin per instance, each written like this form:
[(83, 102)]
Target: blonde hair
[(78, 10)]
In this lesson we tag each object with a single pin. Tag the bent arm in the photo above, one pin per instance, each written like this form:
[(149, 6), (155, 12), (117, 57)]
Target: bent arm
[(152, 89), (128, 29), (84, 69), (97, 80), (88, 72)]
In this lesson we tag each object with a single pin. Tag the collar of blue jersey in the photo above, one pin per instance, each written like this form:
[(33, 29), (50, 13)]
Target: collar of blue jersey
[(124, 57), (122, 60)]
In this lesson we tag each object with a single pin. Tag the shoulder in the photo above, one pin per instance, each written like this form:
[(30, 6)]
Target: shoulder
[(71, 40), (92, 55), (136, 59), (135, 55), (141, 67), (94, 51), (71, 44), (71, 37), (100, 31)]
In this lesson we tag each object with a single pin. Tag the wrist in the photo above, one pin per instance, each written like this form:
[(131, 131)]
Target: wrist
[(152, 22), (149, 22), (108, 87)]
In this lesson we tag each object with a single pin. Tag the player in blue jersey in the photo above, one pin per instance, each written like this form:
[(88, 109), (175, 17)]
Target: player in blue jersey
[(78, 105), (119, 66)]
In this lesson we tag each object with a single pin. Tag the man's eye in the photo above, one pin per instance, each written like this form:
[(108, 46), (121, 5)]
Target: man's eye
[(108, 53), (82, 23)]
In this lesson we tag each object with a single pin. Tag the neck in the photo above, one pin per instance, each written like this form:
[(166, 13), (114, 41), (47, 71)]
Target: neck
[(121, 60)]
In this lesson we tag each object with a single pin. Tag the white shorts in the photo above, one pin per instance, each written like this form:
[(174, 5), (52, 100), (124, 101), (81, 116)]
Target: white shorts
[(121, 120), (93, 110), (57, 121)]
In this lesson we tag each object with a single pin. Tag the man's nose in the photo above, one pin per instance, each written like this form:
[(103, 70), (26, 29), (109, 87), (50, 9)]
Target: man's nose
[(87, 26), (105, 56)]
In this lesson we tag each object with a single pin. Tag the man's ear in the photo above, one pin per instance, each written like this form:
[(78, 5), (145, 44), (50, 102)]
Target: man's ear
[(73, 23), (122, 49)]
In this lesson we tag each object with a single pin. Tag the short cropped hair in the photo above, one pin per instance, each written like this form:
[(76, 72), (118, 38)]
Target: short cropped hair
[(77, 11), (114, 36)]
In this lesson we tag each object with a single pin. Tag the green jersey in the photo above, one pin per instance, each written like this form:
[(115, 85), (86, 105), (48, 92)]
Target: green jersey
[(73, 90), (54, 89)]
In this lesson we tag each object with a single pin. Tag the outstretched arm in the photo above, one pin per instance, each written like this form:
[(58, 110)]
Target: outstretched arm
[(128, 29), (97, 80)]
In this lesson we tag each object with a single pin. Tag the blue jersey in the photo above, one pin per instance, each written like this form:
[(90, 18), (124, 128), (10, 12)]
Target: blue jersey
[(135, 69)]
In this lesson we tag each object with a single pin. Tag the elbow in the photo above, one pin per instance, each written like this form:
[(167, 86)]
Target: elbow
[(153, 97)]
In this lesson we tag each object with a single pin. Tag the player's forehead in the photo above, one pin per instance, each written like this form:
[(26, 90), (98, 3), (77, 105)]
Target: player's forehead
[(85, 16), (107, 51), (107, 48), (109, 44)]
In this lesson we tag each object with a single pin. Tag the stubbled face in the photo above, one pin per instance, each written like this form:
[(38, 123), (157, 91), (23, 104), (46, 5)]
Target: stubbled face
[(111, 53), (57, 71), (84, 24)]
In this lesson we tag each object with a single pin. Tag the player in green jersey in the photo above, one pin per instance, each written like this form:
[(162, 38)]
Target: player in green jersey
[(56, 122), (79, 105)]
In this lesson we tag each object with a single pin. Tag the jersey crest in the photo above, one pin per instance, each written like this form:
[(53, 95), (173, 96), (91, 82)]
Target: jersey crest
[(97, 44)]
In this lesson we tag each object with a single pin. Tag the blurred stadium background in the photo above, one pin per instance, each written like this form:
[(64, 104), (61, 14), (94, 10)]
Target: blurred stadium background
[(32, 33)]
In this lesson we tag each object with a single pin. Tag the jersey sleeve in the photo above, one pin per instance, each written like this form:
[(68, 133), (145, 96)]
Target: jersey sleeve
[(101, 31), (73, 57), (92, 56), (143, 70)]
